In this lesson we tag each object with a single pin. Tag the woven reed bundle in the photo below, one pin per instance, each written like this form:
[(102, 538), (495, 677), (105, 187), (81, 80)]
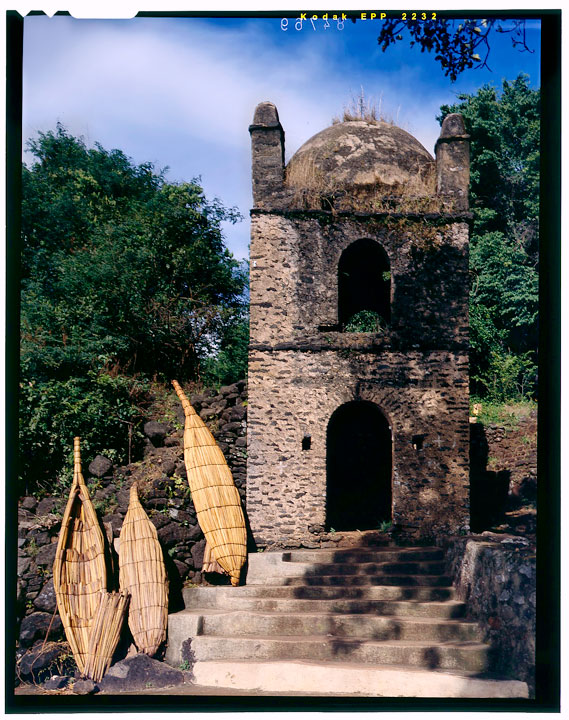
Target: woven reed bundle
[(79, 570), (210, 564), (143, 575), (105, 633), (216, 499)]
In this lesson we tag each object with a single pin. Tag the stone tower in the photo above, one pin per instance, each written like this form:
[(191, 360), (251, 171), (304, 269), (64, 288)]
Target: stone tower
[(358, 361)]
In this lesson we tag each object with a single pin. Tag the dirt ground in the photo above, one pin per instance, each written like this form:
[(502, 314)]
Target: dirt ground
[(179, 690)]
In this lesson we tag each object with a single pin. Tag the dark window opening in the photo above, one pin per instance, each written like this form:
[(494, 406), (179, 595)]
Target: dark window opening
[(418, 441), (364, 288), (306, 442), (358, 468)]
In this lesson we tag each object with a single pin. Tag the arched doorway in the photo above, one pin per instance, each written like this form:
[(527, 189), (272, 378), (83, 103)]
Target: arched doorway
[(364, 282), (358, 467)]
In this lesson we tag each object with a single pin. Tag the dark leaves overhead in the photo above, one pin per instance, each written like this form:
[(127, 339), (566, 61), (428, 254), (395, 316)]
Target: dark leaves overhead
[(458, 44)]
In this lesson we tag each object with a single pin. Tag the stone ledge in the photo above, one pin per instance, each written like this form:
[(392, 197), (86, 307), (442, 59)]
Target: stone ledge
[(328, 215)]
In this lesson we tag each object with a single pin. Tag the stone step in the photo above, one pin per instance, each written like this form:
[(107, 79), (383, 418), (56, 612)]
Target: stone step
[(268, 567), (408, 608), (339, 678), (462, 655), (383, 622), (371, 627), (360, 555), (322, 592), (347, 580), (378, 569)]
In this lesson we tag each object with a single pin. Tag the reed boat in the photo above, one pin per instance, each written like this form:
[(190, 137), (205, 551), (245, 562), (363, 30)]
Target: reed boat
[(105, 632), (215, 497), (79, 569), (142, 574)]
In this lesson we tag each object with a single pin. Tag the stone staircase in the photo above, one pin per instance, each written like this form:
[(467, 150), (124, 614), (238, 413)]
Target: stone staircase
[(376, 622)]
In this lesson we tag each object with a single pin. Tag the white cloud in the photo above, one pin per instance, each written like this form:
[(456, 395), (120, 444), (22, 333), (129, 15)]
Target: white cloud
[(161, 76), (182, 92)]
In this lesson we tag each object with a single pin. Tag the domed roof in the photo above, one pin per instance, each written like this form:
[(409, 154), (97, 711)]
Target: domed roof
[(361, 154)]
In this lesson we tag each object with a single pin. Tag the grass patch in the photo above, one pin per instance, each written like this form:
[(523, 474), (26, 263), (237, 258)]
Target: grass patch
[(364, 108), (165, 402), (316, 190), (507, 415)]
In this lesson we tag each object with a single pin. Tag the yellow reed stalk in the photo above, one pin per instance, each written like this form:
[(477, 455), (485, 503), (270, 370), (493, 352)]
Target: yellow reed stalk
[(79, 569), (143, 575), (209, 563), (215, 497), (105, 633)]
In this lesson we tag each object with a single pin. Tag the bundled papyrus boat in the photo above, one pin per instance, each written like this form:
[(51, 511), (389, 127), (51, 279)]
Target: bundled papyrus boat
[(143, 575), (105, 632), (79, 569), (215, 497)]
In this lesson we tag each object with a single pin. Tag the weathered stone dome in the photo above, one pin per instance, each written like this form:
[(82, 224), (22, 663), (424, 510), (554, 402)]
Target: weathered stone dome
[(361, 154)]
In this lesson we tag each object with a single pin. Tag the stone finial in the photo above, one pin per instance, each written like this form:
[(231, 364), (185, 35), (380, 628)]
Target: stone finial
[(452, 152), (453, 125), (267, 148), (266, 114)]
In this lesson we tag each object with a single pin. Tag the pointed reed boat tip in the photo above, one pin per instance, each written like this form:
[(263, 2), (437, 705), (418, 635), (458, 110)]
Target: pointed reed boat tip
[(188, 409), (77, 474)]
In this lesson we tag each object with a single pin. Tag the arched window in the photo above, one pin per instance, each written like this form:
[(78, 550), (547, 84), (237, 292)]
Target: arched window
[(364, 287)]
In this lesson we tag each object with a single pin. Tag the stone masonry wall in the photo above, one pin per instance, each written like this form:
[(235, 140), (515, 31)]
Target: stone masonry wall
[(293, 394), (294, 280), (302, 367), (496, 576), (503, 469)]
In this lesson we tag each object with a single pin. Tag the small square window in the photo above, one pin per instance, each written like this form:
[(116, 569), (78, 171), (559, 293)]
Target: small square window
[(418, 441)]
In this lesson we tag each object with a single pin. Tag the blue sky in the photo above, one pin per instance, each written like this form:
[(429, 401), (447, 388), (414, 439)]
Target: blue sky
[(181, 92)]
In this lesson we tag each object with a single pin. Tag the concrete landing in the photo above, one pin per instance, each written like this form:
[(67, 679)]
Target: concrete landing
[(350, 679)]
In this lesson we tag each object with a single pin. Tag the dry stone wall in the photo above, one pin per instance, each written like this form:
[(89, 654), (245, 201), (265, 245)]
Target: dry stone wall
[(503, 463), (165, 496), (513, 450), (496, 576)]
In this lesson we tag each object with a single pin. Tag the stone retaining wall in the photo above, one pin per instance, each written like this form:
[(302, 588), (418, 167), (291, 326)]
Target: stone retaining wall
[(503, 470), (512, 450), (164, 493), (496, 576)]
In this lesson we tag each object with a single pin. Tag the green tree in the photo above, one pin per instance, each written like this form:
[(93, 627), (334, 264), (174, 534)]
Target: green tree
[(504, 196), (125, 277)]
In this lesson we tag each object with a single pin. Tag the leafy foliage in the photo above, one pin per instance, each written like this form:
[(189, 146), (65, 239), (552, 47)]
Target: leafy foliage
[(457, 43), (365, 321), (119, 264), (125, 277), (504, 197), (230, 361), (101, 409)]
